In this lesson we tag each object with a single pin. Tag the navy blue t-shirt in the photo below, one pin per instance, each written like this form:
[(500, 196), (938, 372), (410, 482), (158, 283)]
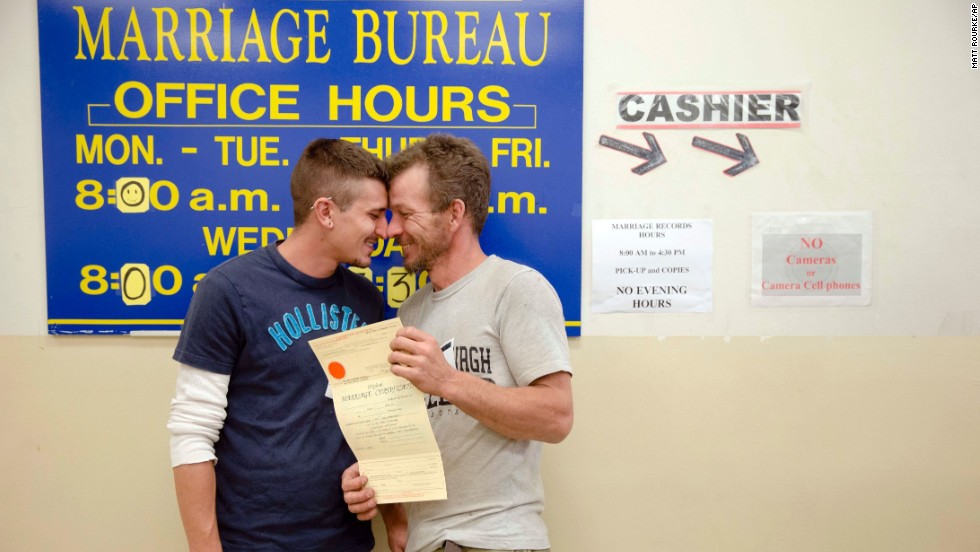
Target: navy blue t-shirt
[(281, 452)]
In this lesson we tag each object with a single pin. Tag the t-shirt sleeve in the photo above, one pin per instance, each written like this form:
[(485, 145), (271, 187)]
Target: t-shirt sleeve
[(211, 336), (532, 328)]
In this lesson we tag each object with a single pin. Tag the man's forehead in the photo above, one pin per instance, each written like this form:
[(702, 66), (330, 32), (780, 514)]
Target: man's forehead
[(410, 186), (372, 191), (417, 173)]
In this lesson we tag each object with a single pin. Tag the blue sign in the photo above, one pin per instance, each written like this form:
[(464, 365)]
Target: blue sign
[(169, 135)]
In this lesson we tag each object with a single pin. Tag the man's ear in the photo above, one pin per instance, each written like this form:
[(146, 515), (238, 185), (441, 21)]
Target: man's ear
[(458, 212), (323, 210)]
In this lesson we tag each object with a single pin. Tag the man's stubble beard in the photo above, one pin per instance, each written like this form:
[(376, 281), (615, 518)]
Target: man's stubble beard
[(428, 253)]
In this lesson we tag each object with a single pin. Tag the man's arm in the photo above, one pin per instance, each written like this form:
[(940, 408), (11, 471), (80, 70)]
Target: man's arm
[(197, 414), (195, 486), (541, 411), (396, 525)]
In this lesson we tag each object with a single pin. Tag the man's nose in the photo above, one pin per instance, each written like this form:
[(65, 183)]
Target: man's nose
[(381, 228), (395, 227)]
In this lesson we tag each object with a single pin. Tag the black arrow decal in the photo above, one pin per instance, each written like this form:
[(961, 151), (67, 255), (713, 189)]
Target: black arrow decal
[(654, 156), (746, 158)]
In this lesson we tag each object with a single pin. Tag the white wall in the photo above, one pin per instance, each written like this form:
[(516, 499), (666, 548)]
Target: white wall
[(890, 126), (21, 192)]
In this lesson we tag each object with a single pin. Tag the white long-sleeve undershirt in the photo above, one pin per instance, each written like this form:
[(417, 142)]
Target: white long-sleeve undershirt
[(197, 414)]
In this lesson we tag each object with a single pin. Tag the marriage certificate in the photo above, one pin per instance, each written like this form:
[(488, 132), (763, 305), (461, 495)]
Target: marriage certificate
[(383, 416)]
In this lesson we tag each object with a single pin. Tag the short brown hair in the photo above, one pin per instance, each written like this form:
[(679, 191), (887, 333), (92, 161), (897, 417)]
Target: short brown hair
[(457, 170), (329, 168)]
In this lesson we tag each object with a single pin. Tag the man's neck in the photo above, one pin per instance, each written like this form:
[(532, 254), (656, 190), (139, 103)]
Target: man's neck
[(306, 254), (462, 258)]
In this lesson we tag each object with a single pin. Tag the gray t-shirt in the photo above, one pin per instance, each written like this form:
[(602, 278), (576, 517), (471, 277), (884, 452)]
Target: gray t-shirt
[(502, 322)]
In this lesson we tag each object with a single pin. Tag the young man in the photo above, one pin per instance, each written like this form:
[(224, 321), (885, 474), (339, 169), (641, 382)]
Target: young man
[(503, 384), (255, 445)]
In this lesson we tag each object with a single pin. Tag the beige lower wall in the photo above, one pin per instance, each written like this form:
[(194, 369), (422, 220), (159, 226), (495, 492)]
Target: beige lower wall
[(680, 444)]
